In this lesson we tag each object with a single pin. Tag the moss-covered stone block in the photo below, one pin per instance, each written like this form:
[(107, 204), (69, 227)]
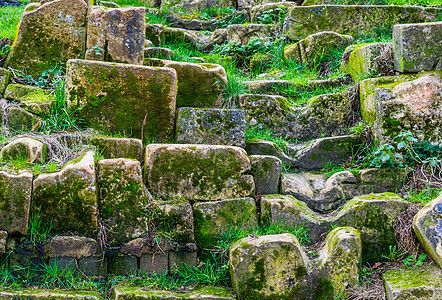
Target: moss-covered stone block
[(213, 218), (339, 260), (95, 266), (33, 99), (199, 84), (287, 210), (71, 246), (123, 265), (15, 202), (116, 34), (370, 60), (178, 259), (158, 52), (310, 50), (417, 47), (67, 199), (241, 34), (5, 75), (123, 98), (416, 282), (198, 172), (266, 171), (21, 120), (42, 294), (211, 126), (427, 224), (49, 35), (138, 293), (347, 19), (123, 198), (175, 219), (32, 150), (118, 147), (403, 103), (374, 216), (157, 263), (268, 267)]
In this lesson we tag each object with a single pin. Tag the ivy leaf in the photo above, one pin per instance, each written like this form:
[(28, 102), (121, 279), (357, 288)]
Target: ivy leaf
[(401, 145)]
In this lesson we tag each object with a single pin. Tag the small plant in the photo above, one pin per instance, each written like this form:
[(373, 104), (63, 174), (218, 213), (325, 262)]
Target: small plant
[(272, 16), (231, 90), (97, 50), (37, 231), (254, 133), (50, 77), (415, 260), (393, 254)]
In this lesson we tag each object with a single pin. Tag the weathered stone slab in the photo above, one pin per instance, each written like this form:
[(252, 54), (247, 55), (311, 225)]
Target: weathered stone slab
[(241, 34), (15, 201), (5, 75), (71, 246), (212, 218), (199, 84), (122, 265), (49, 34), (374, 216), (417, 47), (199, 172), (416, 282), (427, 225), (116, 34), (36, 294), (310, 50), (403, 103), (368, 61), (202, 293), (211, 126), (123, 198), (32, 150), (157, 263), (67, 199), (93, 266), (158, 52), (287, 210), (21, 120), (354, 20), (339, 260), (118, 147), (177, 259), (175, 219), (123, 98), (270, 266), (32, 98), (266, 171)]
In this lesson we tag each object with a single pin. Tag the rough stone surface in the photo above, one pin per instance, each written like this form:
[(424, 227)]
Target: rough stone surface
[(417, 283), (203, 293), (374, 216), (268, 267), (266, 171), (176, 219), (36, 294), (403, 103), (199, 84), (123, 98), (15, 201), (122, 265), (158, 52), (32, 98), (199, 172), (368, 61), (71, 246), (32, 150), (322, 115), (177, 259), (3, 240), (19, 119), (116, 34), (213, 218), (67, 199), (310, 50), (118, 147), (5, 75), (427, 225), (49, 34), (157, 263), (354, 20), (325, 194), (123, 199), (339, 260), (211, 126), (241, 34), (417, 47)]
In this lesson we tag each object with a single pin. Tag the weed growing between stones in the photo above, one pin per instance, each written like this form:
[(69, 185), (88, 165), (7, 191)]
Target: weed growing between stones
[(256, 133), (232, 90)]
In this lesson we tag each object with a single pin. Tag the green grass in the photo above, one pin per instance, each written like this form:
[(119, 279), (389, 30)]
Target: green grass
[(424, 196), (9, 18), (136, 3), (385, 2), (233, 89), (256, 133)]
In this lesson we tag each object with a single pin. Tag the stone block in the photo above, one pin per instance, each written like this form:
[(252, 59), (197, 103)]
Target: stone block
[(155, 263), (21, 120), (5, 75), (118, 147), (175, 219), (266, 171), (241, 34), (211, 126), (177, 259), (123, 98), (71, 246), (32, 150), (95, 266), (123, 265), (31, 98), (212, 293)]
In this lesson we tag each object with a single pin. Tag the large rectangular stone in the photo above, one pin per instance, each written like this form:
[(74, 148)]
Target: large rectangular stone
[(417, 47), (354, 20), (123, 98)]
